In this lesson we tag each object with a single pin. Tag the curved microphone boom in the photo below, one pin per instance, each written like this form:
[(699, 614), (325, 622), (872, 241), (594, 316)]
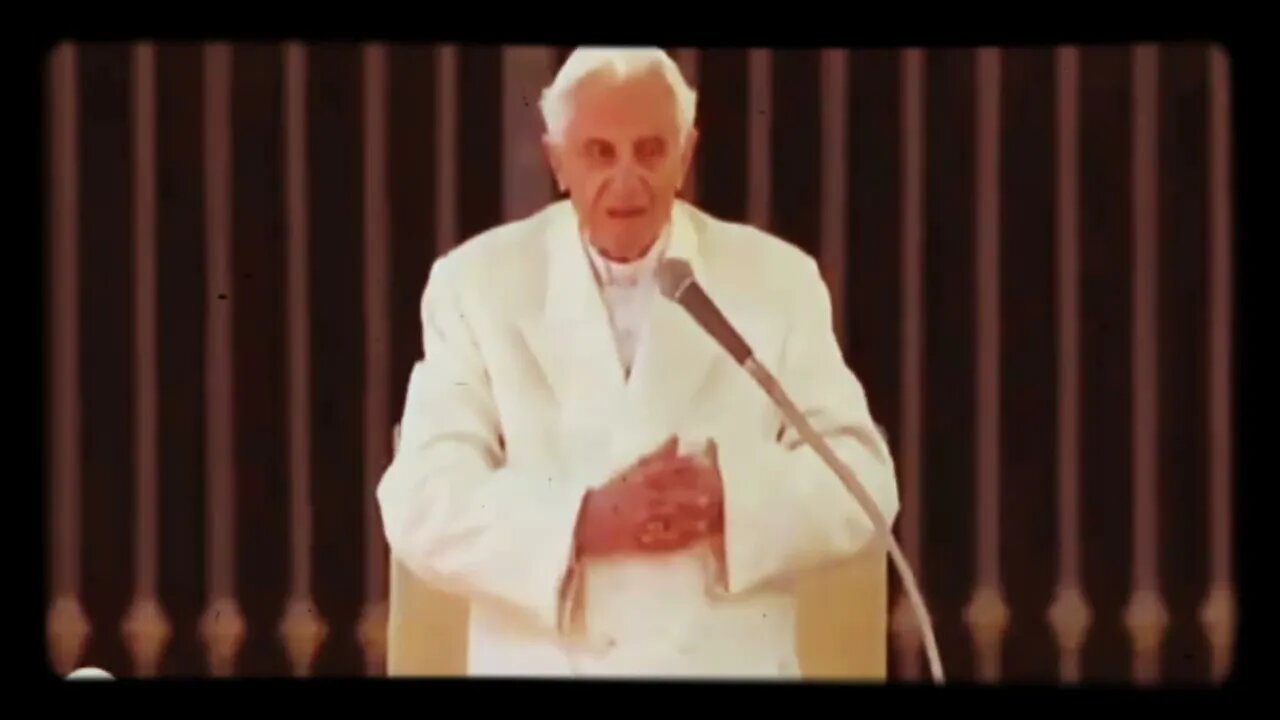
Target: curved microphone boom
[(676, 282)]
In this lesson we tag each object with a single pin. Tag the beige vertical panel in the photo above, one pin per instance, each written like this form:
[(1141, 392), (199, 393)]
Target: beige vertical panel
[(906, 627), (1218, 614), (223, 625), (145, 627), (1069, 615), (377, 353), (301, 629), (987, 613), (66, 625), (759, 147), (1145, 616), (526, 179)]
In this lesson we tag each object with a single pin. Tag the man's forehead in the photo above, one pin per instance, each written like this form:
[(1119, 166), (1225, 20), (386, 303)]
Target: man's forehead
[(640, 105)]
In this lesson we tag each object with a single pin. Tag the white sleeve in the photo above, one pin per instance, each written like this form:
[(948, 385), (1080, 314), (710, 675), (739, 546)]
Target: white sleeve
[(452, 510), (785, 510)]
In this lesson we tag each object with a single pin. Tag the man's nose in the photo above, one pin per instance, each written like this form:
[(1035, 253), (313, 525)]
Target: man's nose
[(629, 180)]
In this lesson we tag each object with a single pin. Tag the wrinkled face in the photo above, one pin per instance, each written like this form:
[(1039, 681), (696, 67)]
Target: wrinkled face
[(622, 160)]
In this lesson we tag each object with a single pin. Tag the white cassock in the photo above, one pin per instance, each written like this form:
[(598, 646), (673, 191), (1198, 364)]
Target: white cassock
[(546, 370)]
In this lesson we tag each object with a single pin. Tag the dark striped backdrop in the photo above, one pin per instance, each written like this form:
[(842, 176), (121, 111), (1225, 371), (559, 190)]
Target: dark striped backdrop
[(866, 155)]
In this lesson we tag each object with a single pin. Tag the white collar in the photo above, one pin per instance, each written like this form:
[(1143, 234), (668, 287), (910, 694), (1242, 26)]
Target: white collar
[(628, 274)]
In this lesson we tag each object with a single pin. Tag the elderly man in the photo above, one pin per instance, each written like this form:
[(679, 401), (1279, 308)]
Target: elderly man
[(580, 459)]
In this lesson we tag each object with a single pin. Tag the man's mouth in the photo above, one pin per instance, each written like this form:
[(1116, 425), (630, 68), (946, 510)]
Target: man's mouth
[(625, 213)]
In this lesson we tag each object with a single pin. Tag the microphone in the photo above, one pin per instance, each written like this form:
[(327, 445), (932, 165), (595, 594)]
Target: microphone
[(89, 673), (677, 283)]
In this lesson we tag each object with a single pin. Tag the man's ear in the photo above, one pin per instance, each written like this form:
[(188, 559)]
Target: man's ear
[(552, 151)]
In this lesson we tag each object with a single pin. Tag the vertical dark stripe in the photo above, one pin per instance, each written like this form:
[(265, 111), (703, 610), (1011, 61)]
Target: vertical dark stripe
[(106, 352), (302, 629), (987, 318), (181, 290), (145, 628), (411, 166), (1105, 284), (872, 288), (1183, 329), (1145, 615), (144, 295), (377, 322), (1146, 127), (219, 305), (795, 135), (1218, 612), (1070, 614), (223, 624), (1027, 360), (833, 147), (262, 570), (66, 623), (446, 149), (688, 59), (759, 150), (479, 139), (378, 349), (723, 140), (948, 533), (64, 393), (911, 154), (527, 184), (987, 613), (377, 316), (298, 314), (334, 92)]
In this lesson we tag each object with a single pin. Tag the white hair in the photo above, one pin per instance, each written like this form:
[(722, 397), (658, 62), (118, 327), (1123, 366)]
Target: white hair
[(621, 63)]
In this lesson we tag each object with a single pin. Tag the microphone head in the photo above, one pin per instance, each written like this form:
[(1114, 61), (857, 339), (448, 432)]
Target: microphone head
[(673, 275), (90, 673)]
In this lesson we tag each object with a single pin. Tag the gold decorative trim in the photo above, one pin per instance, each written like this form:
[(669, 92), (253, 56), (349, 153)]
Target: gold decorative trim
[(906, 637), (988, 617), (372, 634), (147, 632), (67, 630), (303, 631), (1070, 617), (222, 628), (1218, 617), (1146, 619)]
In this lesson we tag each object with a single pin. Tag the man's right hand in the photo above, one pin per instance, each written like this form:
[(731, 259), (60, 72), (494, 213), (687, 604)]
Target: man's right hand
[(654, 506)]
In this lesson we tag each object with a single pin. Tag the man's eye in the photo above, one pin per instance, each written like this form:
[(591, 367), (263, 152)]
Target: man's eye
[(650, 149), (600, 151)]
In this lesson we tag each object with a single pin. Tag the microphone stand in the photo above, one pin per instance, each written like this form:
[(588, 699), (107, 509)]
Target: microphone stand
[(814, 440)]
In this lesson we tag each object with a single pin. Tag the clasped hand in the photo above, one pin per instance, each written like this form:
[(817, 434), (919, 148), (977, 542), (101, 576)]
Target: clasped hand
[(663, 502)]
